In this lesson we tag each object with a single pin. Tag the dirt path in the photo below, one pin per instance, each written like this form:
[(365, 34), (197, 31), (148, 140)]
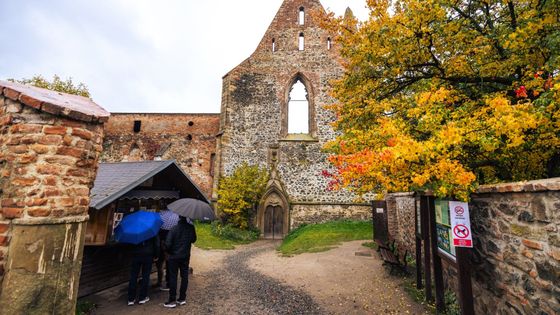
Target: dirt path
[(253, 279)]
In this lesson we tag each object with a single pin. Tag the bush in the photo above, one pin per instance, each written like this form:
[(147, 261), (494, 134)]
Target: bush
[(230, 232), (239, 194)]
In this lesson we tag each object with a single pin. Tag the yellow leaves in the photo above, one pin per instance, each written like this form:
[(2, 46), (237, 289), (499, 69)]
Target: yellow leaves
[(429, 98)]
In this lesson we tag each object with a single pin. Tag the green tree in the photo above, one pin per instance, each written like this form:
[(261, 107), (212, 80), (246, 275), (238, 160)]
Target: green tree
[(57, 84), (239, 194), (446, 94)]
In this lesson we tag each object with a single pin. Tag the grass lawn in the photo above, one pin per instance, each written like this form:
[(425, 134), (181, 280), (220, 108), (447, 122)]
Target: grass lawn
[(321, 237), (206, 240)]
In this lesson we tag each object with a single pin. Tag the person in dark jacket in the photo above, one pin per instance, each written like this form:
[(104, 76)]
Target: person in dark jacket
[(142, 256), (178, 247)]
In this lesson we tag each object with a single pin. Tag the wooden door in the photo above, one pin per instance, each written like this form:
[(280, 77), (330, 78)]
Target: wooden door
[(273, 222)]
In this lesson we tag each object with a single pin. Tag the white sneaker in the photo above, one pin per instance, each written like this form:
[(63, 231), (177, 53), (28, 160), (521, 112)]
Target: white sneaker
[(146, 299), (130, 303), (170, 304), (181, 302)]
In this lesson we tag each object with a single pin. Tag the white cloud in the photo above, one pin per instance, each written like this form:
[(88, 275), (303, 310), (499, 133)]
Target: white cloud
[(139, 55)]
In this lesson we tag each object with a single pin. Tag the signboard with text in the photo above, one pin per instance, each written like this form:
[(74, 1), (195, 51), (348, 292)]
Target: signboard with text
[(460, 224), (443, 229)]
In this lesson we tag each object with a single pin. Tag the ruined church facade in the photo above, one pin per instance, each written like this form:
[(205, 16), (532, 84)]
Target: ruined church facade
[(257, 115)]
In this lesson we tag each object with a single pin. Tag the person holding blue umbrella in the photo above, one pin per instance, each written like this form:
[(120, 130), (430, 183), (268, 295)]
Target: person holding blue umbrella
[(141, 230)]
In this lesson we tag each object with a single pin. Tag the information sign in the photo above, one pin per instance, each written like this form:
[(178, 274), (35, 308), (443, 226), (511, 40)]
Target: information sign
[(460, 224), (443, 229)]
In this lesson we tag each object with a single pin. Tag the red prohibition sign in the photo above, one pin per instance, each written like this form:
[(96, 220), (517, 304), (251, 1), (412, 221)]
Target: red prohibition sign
[(461, 231), (459, 210)]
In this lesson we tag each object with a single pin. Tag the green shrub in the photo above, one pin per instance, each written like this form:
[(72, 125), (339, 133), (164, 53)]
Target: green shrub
[(239, 194), (230, 232)]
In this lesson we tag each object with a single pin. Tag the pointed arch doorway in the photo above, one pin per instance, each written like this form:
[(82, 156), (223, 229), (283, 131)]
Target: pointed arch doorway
[(273, 215)]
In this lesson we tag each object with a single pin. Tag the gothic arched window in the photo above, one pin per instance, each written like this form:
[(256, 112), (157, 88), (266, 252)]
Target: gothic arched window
[(301, 41), (298, 109), (301, 17)]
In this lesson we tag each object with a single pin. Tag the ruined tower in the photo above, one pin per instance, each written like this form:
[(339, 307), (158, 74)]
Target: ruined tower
[(260, 114)]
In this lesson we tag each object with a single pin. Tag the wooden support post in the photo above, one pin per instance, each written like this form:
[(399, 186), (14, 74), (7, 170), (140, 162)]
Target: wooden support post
[(425, 207), (465, 285), (418, 263), (438, 272)]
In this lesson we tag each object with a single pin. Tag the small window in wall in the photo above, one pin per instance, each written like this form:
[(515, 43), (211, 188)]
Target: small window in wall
[(298, 109), (191, 123), (301, 18), (273, 45), (329, 43), (137, 125), (189, 137), (301, 41)]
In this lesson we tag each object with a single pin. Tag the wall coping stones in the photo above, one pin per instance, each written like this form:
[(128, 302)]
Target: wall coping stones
[(72, 106), (50, 220), (549, 184)]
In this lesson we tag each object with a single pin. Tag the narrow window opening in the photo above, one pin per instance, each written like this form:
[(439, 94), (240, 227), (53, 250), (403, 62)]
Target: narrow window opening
[(212, 161), (301, 41), (298, 109), (191, 123), (301, 16), (273, 45), (189, 137), (137, 125), (329, 43)]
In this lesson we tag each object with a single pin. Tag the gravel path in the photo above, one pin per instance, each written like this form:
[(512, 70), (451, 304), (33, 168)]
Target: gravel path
[(238, 289), (230, 287)]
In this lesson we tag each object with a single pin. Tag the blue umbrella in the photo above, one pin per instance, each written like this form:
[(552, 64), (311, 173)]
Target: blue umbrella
[(138, 227)]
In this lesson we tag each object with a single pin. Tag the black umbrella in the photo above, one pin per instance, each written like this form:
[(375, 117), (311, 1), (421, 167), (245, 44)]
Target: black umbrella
[(192, 208)]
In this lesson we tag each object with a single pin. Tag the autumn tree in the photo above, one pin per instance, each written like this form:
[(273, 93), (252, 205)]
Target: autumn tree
[(57, 84), (239, 194), (447, 94)]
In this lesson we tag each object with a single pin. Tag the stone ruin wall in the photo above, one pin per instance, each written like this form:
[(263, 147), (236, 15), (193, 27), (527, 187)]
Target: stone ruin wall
[(516, 234), (312, 213), (190, 139), (254, 103), (48, 164)]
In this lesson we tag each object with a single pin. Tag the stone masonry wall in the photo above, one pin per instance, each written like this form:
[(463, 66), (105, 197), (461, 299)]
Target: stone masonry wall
[(190, 139), (516, 255), (48, 162), (401, 223), (254, 107), (310, 213)]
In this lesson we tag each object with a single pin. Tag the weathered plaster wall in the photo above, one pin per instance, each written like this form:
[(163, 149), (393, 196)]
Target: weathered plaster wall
[(48, 163), (516, 251), (190, 139), (254, 110)]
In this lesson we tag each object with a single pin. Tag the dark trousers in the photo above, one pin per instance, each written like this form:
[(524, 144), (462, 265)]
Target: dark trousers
[(161, 271), (178, 265), (145, 264)]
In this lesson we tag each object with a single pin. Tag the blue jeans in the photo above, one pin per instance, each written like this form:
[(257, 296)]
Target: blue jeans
[(144, 263), (176, 266)]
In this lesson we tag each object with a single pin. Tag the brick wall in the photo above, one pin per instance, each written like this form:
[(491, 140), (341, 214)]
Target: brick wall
[(190, 139), (516, 255), (49, 148)]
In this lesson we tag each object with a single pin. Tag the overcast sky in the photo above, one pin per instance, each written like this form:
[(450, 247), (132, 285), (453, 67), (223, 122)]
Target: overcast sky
[(139, 55)]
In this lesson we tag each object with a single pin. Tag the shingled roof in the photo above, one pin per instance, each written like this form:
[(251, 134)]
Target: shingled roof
[(115, 180), (53, 102)]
